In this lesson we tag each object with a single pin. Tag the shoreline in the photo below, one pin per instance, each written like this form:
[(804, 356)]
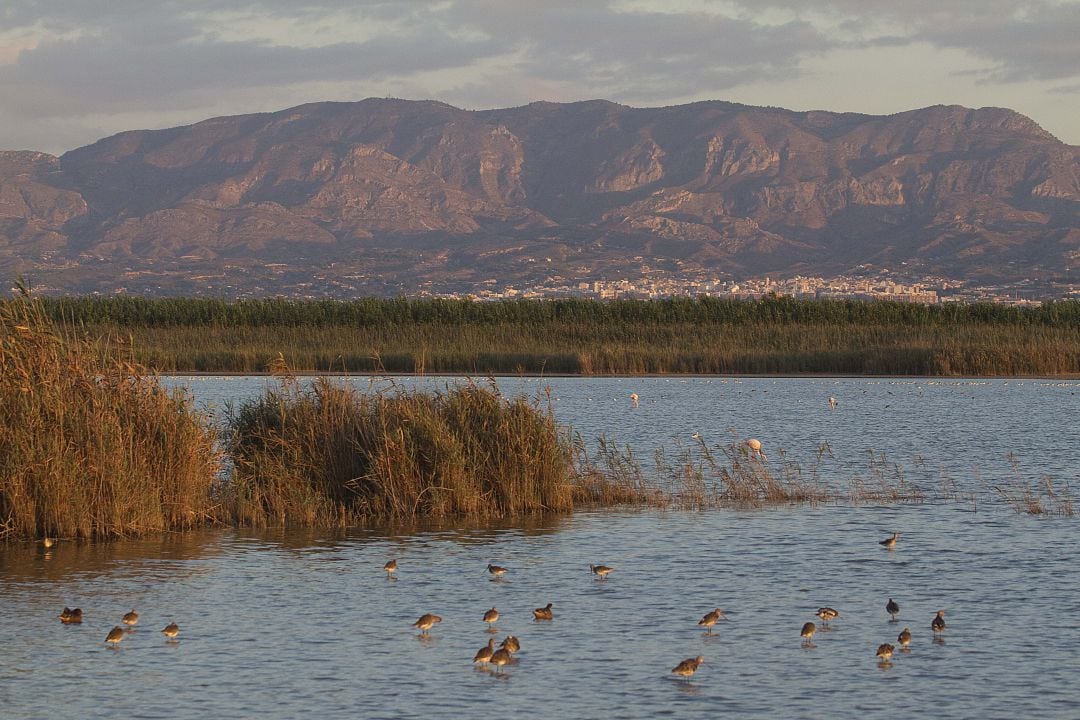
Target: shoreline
[(779, 376)]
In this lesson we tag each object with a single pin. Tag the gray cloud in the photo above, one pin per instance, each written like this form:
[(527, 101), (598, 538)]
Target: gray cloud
[(1032, 40), (160, 60)]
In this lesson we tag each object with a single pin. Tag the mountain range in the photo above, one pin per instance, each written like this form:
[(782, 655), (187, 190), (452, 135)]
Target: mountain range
[(387, 196)]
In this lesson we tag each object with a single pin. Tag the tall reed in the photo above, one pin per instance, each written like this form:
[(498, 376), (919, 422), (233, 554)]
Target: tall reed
[(329, 454), (91, 445), (681, 335)]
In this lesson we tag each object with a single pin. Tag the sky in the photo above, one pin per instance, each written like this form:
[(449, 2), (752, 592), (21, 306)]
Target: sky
[(73, 71)]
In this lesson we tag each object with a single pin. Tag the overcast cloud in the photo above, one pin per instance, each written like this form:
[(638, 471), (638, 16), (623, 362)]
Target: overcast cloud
[(72, 71)]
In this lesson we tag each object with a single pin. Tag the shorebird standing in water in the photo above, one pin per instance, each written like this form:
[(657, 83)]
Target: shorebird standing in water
[(938, 623), (904, 638), (115, 636), (47, 542), (832, 403), (826, 614), (890, 542), (893, 608), (71, 617), (495, 570), (491, 617), (483, 655), (711, 618), (807, 633), (390, 568), (171, 630), (131, 619), (884, 652), (687, 667), (426, 622), (543, 613), (754, 446), (602, 570), (511, 644), (500, 658)]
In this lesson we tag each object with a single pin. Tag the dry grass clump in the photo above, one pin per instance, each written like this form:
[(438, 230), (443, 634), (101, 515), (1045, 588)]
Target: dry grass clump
[(329, 454), (91, 446), (1042, 498)]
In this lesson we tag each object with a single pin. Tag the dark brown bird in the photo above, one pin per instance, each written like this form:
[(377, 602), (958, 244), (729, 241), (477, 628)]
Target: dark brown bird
[(71, 616), (510, 644), (115, 635), (885, 651), (711, 618), (500, 658), (807, 632), (890, 542), (496, 570), (171, 630), (426, 621), (491, 616), (826, 614), (892, 608), (602, 570), (543, 613), (390, 568), (130, 619), (688, 667), (938, 623), (483, 655), (904, 638)]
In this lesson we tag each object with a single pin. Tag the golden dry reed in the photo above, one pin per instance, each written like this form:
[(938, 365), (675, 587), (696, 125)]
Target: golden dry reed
[(91, 446), (329, 454)]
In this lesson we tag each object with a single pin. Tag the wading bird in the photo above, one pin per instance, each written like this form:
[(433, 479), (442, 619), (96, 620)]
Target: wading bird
[(634, 399), (491, 617), (483, 655), (510, 644), (754, 446), (826, 614), (938, 623), (131, 619), (426, 622), (711, 618), (884, 651), (496, 570), (807, 633), (688, 667), (602, 570), (171, 630), (893, 608), (390, 568), (890, 542), (904, 638), (115, 635), (500, 658)]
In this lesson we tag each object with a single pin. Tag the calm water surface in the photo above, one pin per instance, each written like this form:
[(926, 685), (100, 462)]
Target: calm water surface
[(281, 625)]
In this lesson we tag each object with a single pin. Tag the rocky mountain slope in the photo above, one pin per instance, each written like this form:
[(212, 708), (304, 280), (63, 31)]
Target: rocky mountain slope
[(394, 196)]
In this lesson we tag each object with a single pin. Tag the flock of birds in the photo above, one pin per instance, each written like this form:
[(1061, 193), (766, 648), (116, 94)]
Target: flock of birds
[(74, 616), (503, 655)]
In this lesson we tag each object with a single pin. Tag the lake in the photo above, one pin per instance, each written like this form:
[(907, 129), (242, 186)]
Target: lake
[(282, 624)]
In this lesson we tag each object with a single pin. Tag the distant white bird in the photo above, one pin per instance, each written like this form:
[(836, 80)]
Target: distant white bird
[(754, 445), (634, 399), (832, 403)]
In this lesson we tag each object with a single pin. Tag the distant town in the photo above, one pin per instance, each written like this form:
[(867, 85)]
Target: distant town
[(880, 287)]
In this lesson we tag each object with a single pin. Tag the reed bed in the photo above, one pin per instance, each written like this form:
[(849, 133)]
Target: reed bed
[(698, 336), (329, 454), (91, 446)]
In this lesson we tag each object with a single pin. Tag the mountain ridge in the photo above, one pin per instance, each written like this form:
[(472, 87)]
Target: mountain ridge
[(416, 195)]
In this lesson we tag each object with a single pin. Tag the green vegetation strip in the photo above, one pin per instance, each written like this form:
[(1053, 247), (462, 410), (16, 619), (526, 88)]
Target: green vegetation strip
[(775, 335), (92, 446)]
